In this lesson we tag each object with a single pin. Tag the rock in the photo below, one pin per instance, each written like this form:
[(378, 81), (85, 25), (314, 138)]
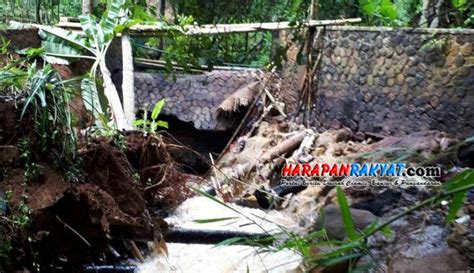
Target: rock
[(382, 81), (353, 70), (342, 52), (470, 208), (410, 50), (400, 79), (419, 79), (390, 82), (465, 155), (454, 49), (411, 81), (334, 225), (466, 49), (370, 80), (434, 102), (390, 72), (399, 49), (343, 135), (448, 260), (459, 60), (379, 42)]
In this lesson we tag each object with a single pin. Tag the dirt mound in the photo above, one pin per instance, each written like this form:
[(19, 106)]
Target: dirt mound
[(162, 166), (78, 222), (108, 168)]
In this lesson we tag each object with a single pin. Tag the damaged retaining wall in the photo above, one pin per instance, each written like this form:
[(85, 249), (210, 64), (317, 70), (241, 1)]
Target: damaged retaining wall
[(396, 81), (192, 98)]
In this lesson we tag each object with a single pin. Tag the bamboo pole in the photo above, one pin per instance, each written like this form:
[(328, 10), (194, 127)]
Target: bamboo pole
[(159, 29)]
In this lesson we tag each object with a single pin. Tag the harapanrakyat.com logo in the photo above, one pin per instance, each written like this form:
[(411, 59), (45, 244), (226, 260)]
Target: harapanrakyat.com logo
[(360, 174)]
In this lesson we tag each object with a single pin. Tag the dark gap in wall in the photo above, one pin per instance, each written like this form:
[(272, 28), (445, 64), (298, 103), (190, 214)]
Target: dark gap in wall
[(204, 142)]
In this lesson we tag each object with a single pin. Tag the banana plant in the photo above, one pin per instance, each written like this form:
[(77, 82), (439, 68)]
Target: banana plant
[(62, 45)]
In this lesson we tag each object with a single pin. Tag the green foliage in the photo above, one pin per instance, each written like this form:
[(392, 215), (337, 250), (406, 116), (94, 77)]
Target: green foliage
[(346, 215), (244, 49), (151, 126), (464, 179), (215, 11), (16, 220), (48, 99), (46, 102), (32, 170), (379, 11), (463, 13), (61, 45), (407, 12), (21, 217), (459, 3), (4, 43), (434, 43), (90, 97)]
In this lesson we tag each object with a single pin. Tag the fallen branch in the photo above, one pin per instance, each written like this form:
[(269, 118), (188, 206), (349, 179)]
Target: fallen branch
[(73, 231), (136, 252)]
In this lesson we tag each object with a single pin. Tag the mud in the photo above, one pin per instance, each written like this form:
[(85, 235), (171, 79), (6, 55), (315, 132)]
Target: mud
[(70, 223)]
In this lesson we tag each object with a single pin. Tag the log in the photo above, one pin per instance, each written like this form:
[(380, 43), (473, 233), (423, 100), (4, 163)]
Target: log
[(284, 147), (202, 236)]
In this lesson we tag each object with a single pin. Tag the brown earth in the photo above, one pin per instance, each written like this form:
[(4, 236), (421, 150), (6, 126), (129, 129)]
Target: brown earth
[(71, 223)]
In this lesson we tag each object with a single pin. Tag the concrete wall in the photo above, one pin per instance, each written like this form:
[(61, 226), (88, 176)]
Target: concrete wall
[(396, 81)]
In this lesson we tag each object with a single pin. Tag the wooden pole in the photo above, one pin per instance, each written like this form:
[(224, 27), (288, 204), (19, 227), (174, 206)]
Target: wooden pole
[(128, 92)]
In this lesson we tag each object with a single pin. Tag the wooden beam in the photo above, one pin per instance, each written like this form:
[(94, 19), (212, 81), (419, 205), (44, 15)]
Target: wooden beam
[(158, 29)]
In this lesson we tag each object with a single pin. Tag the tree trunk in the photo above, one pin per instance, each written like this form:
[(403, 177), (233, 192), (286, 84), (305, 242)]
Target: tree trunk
[(87, 6), (113, 98), (128, 92), (161, 7), (431, 13), (37, 11)]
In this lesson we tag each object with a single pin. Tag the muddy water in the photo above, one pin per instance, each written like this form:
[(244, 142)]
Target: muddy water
[(235, 258)]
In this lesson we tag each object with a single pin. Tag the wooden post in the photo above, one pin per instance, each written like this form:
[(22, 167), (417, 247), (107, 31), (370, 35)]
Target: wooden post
[(128, 92)]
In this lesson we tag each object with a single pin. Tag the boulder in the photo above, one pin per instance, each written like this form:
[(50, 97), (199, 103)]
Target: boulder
[(331, 220)]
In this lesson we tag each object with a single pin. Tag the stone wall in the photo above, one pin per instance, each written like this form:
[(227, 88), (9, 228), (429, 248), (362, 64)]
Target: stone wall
[(193, 98), (396, 81)]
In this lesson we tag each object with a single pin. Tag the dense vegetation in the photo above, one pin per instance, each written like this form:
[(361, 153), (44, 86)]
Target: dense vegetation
[(454, 13), (250, 49)]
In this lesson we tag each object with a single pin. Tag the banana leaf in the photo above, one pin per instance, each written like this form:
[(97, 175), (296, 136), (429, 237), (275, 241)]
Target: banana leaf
[(90, 97)]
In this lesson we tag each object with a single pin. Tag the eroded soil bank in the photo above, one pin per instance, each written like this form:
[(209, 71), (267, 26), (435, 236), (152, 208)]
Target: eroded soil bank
[(120, 184)]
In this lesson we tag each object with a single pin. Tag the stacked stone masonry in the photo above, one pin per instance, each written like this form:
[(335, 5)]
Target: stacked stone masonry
[(192, 98), (394, 82)]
